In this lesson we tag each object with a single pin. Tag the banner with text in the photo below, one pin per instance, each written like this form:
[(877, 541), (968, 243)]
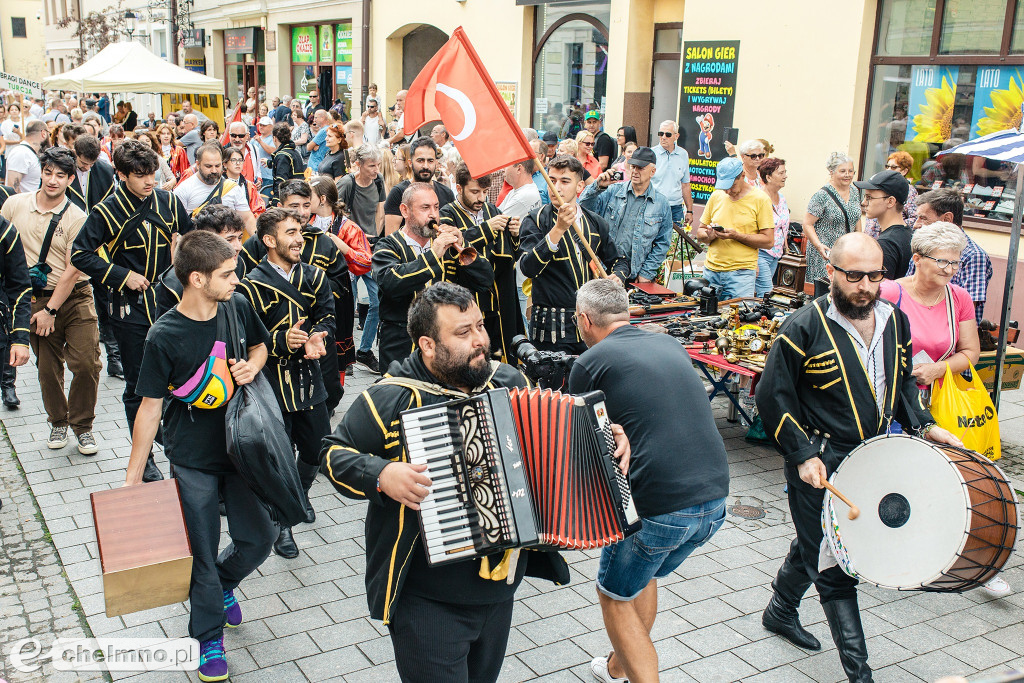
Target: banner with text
[(706, 106), (930, 107), (19, 84), (997, 99)]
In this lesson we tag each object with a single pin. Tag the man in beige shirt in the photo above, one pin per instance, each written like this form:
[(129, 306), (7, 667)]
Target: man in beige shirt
[(63, 325)]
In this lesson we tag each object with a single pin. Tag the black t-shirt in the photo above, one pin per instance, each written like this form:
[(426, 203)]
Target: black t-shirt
[(176, 348), (604, 146), (896, 251), (333, 165), (391, 207), (678, 458)]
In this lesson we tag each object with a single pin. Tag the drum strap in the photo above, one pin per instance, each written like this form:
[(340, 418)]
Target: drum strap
[(915, 424)]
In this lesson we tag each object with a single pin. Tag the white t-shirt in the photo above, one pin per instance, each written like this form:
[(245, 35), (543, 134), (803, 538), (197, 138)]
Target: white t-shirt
[(193, 192), (83, 180), (371, 129), (521, 201), (24, 160), (7, 130)]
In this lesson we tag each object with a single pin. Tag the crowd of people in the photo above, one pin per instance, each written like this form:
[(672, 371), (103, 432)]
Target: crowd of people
[(135, 237)]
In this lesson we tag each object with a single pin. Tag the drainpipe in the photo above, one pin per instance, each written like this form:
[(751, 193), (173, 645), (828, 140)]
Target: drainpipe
[(365, 58)]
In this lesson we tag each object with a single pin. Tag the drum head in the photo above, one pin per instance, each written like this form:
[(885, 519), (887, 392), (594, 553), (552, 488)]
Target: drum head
[(913, 511)]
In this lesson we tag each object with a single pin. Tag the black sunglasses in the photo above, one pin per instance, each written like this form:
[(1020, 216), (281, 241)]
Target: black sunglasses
[(858, 275), (664, 134), (236, 135), (756, 156)]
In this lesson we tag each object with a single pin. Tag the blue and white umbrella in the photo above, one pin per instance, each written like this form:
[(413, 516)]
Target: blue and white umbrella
[(1005, 145)]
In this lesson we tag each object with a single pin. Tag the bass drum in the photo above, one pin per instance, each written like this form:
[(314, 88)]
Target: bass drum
[(932, 517)]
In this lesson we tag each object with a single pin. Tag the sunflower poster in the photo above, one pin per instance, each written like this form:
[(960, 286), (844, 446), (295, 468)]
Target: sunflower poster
[(997, 99), (932, 93)]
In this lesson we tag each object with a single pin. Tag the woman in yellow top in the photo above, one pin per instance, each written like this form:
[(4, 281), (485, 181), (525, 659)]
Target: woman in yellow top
[(737, 221)]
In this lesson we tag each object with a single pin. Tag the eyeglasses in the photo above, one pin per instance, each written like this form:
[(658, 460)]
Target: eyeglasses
[(588, 144), (892, 167), (235, 160), (665, 134), (868, 199), (756, 156), (858, 275), (576, 318), (944, 263), (237, 136)]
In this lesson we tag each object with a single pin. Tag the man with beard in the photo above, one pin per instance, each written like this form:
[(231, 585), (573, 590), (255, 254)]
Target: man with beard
[(126, 244), (294, 302), (450, 622), (208, 186), (317, 250), (185, 348), (423, 154), (818, 407), (496, 238), (407, 261)]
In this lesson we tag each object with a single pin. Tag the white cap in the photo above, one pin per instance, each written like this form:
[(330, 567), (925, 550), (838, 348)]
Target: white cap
[(266, 121)]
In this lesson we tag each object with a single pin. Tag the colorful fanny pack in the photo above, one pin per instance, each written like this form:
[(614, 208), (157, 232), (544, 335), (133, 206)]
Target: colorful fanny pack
[(211, 386)]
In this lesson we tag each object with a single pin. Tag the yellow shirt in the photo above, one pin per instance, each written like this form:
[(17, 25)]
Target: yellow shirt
[(31, 223), (749, 214)]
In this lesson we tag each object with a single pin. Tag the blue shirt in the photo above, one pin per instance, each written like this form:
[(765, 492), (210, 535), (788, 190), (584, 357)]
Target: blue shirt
[(639, 225), (542, 187), (103, 108), (673, 171), (317, 156)]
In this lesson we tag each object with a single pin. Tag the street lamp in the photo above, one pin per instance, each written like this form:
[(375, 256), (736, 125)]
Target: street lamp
[(129, 23)]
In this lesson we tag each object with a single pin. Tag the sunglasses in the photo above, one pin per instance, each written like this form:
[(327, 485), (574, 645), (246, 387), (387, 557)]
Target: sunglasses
[(756, 156), (664, 134), (236, 135), (892, 167), (858, 275), (944, 263)]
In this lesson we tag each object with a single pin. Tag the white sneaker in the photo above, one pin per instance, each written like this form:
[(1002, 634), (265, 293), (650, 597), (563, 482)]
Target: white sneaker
[(997, 587), (58, 437), (599, 667)]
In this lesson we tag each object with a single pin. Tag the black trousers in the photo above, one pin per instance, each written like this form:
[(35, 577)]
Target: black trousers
[(438, 641), (393, 343), (9, 374), (800, 567), (131, 340), (101, 296), (252, 536), (307, 429)]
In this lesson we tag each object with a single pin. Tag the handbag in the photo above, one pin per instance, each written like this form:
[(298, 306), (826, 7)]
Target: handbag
[(964, 408), (846, 218), (39, 273), (258, 444)]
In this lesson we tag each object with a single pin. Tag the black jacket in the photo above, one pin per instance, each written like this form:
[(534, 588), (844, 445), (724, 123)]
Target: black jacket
[(317, 250), (287, 166), (814, 379), (280, 304), (124, 233), (16, 298), (101, 184), (363, 444), (169, 288)]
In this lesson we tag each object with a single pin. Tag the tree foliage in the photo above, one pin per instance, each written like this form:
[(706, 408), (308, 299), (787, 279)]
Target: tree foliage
[(96, 30)]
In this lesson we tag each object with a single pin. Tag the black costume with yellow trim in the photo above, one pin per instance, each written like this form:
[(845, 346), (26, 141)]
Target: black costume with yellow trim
[(817, 400), (557, 275), (170, 289), (101, 184), (6, 193), (124, 234), (287, 166), (401, 275), (16, 297), (500, 305), (280, 304), (363, 444)]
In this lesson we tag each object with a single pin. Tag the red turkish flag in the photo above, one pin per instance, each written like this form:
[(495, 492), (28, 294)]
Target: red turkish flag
[(225, 138), (455, 88)]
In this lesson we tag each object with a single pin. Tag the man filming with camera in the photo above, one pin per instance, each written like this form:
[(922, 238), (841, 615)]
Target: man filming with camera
[(639, 217)]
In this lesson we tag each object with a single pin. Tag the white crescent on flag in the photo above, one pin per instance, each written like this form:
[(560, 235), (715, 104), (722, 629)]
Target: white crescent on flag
[(468, 110)]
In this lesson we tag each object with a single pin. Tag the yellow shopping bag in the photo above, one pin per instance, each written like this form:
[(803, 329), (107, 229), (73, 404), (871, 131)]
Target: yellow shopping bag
[(964, 408)]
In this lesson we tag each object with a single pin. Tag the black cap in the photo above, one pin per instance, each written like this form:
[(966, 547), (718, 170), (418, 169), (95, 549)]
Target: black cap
[(642, 156), (890, 182), (550, 138)]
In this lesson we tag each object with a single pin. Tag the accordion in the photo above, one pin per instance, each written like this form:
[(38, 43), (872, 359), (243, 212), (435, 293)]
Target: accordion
[(515, 469)]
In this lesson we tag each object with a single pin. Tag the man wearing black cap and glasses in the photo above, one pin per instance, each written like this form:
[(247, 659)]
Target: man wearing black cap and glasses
[(885, 194), (639, 217)]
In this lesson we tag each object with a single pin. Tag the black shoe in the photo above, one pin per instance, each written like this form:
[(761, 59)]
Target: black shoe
[(10, 397), (152, 472), (221, 509), (785, 621), (369, 360), (848, 634), (114, 368), (285, 544), (307, 475)]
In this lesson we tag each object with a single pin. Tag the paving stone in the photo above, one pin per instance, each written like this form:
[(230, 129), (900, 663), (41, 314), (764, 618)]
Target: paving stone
[(935, 665), (920, 638), (713, 639), (979, 653), (719, 668), (339, 662)]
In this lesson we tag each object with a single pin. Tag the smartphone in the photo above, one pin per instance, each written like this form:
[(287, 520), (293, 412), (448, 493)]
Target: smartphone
[(718, 228), (731, 135)]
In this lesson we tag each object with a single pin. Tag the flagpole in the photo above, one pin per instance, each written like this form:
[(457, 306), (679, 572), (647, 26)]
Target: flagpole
[(556, 199)]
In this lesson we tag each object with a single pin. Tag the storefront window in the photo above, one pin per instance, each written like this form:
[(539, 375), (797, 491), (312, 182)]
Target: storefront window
[(244, 64), (972, 26), (905, 27), (322, 56), (571, 70)]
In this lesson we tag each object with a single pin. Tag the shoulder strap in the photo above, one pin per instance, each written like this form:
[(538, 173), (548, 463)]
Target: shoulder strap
[(430, 387), (842, 209), (216, 194), (44, 251), (951, 319), (234, 331)]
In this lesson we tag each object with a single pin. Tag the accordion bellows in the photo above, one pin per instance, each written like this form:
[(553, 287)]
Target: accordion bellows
[(515, 469)]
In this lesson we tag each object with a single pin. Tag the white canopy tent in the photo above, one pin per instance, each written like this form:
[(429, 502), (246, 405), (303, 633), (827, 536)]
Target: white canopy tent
[(130, 68)]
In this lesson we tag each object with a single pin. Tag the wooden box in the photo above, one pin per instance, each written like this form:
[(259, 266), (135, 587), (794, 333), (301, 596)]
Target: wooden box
[(144, 550), (1013, 369)]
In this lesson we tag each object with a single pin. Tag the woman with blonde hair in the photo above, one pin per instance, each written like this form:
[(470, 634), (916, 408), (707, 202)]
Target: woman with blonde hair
[(901, 162), (389, 169), (585, 154), (403, 162)]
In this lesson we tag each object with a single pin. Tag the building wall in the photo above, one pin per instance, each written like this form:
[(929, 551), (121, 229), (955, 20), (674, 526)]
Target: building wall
[(802, 90), (23, 56)]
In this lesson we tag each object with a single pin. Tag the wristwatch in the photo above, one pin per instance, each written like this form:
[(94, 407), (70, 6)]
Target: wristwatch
[(52, 312)]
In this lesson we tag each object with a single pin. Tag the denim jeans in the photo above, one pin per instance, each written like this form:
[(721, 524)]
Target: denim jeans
[(657, 549), (372, 316), (678, 213), (766, 266), (731, 283)]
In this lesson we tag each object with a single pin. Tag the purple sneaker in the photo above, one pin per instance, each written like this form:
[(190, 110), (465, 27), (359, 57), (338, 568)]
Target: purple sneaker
[(212, 664), (232, 612)]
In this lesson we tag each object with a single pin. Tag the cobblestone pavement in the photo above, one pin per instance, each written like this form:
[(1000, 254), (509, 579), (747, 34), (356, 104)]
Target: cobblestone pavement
[(306, 619)]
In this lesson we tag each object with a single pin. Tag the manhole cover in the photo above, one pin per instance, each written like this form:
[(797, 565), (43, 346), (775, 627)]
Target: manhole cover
[(746, 511)]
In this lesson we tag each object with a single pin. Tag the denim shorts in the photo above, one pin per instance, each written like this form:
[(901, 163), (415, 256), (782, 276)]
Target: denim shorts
[(732, 283), (657, 549)]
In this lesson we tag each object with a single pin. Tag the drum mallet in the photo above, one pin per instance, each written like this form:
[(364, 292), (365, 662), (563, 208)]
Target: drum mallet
[(854, 510)]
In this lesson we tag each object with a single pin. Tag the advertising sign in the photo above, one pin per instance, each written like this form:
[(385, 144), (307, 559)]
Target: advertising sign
[(304, 44), (326, 44), (19, 84), (343, 42), (997, 99), (930, 107)]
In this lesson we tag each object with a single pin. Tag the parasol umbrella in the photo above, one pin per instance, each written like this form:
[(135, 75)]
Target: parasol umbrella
[(1005, 145)]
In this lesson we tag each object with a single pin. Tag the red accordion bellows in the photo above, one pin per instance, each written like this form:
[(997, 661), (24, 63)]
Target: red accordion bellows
[(565, 468)]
